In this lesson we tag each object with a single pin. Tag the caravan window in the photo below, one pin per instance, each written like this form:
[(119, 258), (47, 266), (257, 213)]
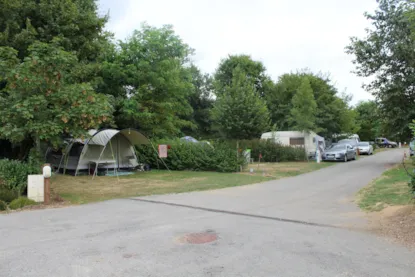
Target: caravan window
[(296, 141)]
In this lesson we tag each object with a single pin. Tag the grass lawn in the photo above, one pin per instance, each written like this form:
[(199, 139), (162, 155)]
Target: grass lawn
[(83, 189), (390, 189)]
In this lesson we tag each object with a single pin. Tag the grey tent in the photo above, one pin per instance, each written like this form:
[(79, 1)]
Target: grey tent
[(109, 149)]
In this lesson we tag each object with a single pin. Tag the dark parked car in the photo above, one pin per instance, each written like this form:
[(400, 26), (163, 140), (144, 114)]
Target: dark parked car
[(385, 143), (340, 152)]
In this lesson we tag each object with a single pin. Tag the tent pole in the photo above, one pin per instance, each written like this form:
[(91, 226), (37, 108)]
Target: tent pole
[(115, 168), (96, 164)]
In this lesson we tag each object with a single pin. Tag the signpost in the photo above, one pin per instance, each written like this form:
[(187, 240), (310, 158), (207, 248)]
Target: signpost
[(163, 151)]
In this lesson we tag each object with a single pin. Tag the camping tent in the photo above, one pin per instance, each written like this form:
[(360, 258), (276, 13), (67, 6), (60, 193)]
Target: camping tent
[(109, 149)]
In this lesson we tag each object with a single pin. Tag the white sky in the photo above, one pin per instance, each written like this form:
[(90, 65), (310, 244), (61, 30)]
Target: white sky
[(286, 35)]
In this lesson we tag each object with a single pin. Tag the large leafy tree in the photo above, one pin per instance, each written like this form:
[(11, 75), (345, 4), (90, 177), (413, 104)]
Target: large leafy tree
[(149, 76), (333, 113), (368, 120), (41, 102), (239, 112), (75, 22), (387, 55), (201, 100), (304, 108), (255, 72)]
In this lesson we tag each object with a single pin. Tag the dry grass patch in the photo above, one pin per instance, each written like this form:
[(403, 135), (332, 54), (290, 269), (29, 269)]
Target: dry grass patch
[(83, 189)]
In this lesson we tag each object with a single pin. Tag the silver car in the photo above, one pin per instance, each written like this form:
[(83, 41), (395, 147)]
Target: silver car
[(340, 152), (365, 148)]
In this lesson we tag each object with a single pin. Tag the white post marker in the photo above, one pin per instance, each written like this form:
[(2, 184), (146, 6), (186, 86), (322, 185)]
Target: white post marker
[(400, 144), (47, 173)]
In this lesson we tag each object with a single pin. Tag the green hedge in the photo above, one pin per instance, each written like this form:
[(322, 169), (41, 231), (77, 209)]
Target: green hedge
[(3, 206), (13, 175), (192, 156), (221, 156), (8, 195), (270, 151)]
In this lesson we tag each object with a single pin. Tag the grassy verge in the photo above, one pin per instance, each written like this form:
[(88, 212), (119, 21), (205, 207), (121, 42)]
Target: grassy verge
[(390, 189), (83, 189)]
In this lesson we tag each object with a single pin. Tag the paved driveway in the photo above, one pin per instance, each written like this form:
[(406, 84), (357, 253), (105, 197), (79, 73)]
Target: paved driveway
[(301, 226)]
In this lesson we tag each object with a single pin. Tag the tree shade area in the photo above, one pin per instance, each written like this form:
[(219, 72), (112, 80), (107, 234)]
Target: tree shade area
[(62, 74)]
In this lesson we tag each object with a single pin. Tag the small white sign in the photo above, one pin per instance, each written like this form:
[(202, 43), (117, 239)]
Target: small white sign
[(35, 188), (162, 151)]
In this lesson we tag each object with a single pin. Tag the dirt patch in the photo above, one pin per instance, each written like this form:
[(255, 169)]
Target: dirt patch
[(396, 223)]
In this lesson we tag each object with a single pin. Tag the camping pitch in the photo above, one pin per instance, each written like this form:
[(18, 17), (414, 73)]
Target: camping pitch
[(107, 149)]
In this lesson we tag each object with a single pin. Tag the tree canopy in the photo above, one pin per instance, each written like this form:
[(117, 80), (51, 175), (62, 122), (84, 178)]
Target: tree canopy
[(239, 112), (61, 74), (332, 114), (40, 101), (150, 77), (386, 54)]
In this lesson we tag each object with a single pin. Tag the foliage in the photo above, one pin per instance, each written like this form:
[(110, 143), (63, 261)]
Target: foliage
[(202, 102), (333, 114), (3, 206), (239, 112), (193, 156), (7, 195), (41, 103), (75, 22), (21, 202), (270, 151), (304, 108), (13, 175), (411, 183), (386, 54), (147, 75), (253, 70), (368, 120)]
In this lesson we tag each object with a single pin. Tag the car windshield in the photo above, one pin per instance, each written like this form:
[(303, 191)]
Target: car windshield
[(338, 147), (346, 141), (363, 144)]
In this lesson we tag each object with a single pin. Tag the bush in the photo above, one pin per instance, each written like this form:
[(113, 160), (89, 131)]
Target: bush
[(7, 195), (3, 206), (271, 151), (21, 202), (193, 156), (13, 174)]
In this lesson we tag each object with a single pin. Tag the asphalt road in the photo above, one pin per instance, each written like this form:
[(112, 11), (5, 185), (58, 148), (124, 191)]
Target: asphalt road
[(301, 226)]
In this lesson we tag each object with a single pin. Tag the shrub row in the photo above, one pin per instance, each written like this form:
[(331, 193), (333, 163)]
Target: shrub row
[(192, 156), (270, 151), (221, 156)]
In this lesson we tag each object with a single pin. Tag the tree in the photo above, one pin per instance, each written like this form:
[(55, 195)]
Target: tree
[(333, 115), (239, 112), (202, 103), (304, 108), (75, 22), (41, 102), (149, 76), (254, 70), (368, 120), (386, 53)]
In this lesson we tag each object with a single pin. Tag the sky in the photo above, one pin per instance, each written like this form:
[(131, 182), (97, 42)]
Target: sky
[(285, 35)]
